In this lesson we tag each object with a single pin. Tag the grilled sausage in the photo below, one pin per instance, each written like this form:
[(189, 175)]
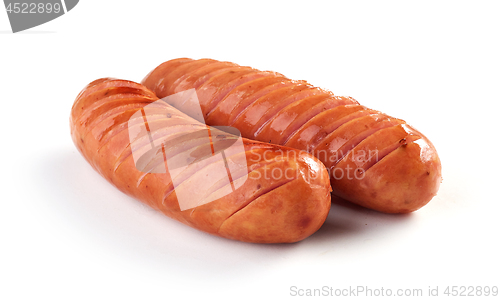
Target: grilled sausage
[(258, 193), (374, 160)]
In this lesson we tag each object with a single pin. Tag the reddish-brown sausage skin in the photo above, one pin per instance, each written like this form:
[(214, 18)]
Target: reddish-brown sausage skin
[(374, 160), (266, 208)]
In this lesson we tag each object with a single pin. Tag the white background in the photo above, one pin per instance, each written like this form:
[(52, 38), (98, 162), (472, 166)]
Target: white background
[(68, 234)]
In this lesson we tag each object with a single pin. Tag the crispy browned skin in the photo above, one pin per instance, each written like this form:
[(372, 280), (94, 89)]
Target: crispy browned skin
[(374, 160), (264, 209)]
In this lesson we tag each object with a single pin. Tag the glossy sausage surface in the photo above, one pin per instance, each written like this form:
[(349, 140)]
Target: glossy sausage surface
[(373, 159), (262, 194)]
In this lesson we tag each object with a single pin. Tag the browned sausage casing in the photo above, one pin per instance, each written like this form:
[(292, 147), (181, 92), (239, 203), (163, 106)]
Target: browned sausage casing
[(374, 160), (266, 208)]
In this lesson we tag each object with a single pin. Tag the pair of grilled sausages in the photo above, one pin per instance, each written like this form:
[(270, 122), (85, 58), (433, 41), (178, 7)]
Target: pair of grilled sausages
[(272, 184)]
